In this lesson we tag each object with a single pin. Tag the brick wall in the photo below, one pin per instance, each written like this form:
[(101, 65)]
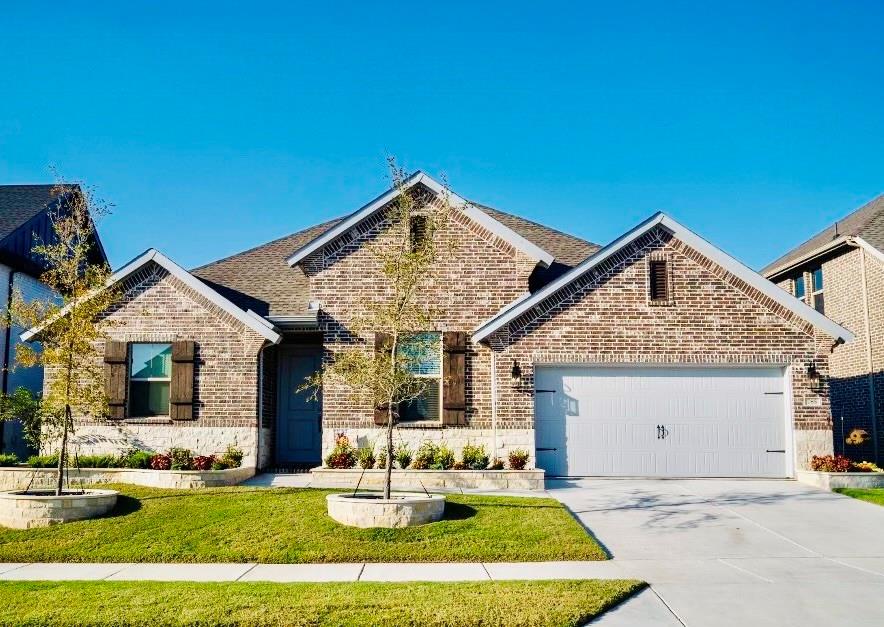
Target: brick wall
[(713, 318), (156, 307), (857, 368), (478, 274)]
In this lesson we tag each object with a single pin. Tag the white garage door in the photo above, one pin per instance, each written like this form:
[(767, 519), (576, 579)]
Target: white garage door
[(660, 422)]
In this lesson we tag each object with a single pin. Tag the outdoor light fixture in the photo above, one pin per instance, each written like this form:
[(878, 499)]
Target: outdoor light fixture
[(516, 373), (812, 372)]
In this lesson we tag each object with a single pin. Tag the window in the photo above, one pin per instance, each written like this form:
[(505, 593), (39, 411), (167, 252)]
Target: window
[(422, 354), (658, 287), (816, 293), (150, 373), (798, 286), (418, 232)]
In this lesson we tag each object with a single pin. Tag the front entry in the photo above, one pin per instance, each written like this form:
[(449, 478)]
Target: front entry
[(298, 416)]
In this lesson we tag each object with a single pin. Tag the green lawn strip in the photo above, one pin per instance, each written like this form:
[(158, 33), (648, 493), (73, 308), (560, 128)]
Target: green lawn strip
[(244, 524), (872, 495), (535, 603)]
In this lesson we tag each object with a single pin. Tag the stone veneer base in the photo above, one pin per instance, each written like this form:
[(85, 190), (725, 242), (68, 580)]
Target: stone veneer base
[(25, 511), (833, 480), (20, 478), (429, 479), (368, 510)]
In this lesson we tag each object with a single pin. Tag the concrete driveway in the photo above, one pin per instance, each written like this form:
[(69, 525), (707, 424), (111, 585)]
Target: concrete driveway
[(736, 552)]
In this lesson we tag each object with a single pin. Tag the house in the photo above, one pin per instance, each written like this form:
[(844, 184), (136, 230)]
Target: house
[(840, 272), (25, 221), (655, 355)]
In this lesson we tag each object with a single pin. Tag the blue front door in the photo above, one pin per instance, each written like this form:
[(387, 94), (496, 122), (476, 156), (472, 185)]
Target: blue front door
[(298, 416)]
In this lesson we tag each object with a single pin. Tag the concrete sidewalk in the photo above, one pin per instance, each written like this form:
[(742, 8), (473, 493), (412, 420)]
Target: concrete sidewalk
[(314, 572)]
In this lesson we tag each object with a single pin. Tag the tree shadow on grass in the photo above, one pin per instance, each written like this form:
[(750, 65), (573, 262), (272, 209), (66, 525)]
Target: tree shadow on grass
[(457, 511), (125, 505)]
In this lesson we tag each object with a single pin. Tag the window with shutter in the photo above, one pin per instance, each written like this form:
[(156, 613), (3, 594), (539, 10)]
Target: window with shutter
[(115, 370), (181, 392), (150, 377), (454, 367), (659, 288), (422, 354)]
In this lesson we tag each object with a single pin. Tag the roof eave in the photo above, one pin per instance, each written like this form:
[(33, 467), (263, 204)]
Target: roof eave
[(529, 248), (843, 240), (696, 242)]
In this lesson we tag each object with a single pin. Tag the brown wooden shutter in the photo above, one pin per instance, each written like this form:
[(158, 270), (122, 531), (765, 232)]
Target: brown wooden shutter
[(454, 395), (659, 287), (116, 356), (383, 344), (181, 390)]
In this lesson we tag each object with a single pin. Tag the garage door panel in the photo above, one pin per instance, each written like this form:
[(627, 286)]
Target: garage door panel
[(719, 421)]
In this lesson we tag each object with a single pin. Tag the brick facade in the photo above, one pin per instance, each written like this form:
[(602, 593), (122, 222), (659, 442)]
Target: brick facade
[(156, 307), (605, 317), (856, 369)]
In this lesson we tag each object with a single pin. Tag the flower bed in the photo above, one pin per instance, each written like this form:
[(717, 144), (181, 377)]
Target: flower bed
[(19, 478), (836, 471), (411, 479)]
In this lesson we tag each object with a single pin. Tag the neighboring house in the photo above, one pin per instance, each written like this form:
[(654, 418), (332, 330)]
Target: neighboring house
[(656, 355), (840, 272), (25, 212)]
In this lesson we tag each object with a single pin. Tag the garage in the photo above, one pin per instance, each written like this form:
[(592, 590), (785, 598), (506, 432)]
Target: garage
[(661, 422)]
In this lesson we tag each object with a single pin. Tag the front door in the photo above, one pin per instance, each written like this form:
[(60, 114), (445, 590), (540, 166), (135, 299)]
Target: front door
[(299, 417)]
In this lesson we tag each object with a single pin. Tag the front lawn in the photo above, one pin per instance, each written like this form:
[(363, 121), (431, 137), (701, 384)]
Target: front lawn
[(535, 603), (872, 495), (247, 524)]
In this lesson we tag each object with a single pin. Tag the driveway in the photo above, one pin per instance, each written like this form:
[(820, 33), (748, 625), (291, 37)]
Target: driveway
[(736, 552)]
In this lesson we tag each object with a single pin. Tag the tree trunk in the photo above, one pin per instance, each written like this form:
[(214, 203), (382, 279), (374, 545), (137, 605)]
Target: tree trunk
[(59, 482), (388, 478)]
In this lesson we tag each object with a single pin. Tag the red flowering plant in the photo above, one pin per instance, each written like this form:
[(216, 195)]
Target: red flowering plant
[(343, 455), (830, 463), (161, 461), (203, 462)]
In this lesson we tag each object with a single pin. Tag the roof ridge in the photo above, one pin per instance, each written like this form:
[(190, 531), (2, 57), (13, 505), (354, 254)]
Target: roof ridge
[(241, 253)]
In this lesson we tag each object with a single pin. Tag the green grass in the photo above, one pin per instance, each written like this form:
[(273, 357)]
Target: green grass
[(244, 524), (872, 495), (535, 603)]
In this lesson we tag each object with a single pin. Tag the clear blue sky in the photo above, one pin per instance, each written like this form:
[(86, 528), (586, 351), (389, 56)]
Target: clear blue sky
[(217, 127)]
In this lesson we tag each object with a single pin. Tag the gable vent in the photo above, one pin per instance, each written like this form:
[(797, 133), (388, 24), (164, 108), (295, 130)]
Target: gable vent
[(658, 284)]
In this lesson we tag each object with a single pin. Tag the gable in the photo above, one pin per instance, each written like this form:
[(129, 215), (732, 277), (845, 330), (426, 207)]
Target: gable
[(765, 292), (369, 212)]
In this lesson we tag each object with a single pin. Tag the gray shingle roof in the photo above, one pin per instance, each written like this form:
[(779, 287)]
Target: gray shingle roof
[(260, 279), (866, 222), (20, 203)]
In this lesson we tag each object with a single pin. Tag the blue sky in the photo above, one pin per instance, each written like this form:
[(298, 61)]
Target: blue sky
[(215, 127)]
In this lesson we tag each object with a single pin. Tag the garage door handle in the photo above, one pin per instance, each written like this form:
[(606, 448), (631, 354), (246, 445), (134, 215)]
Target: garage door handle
[(775, 450), (545, 449)]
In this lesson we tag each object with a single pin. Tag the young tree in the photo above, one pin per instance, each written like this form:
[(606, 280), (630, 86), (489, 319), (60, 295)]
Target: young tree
[(69, 324), (398, 316)]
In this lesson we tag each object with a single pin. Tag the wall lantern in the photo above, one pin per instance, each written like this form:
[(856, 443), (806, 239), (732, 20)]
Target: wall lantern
[(812, 373), (516, 373)]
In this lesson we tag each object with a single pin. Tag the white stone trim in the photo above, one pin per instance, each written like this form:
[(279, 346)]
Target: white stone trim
[(504, 232), (249, 318), (781, 297)]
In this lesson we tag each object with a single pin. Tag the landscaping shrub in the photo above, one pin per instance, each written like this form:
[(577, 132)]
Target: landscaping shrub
[(866, 467), (425, 456), (135, 459), (403, 455), (182, 459), (459, 466), (496, 464), (8, 459), (232, 457), (218, 464), (474, 457), (42, 461), (365, 457), (518, 459), (342, 455), (161, 462), (443, 459), (203, 462), (382, 458), (94, 461), (830, 463)]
